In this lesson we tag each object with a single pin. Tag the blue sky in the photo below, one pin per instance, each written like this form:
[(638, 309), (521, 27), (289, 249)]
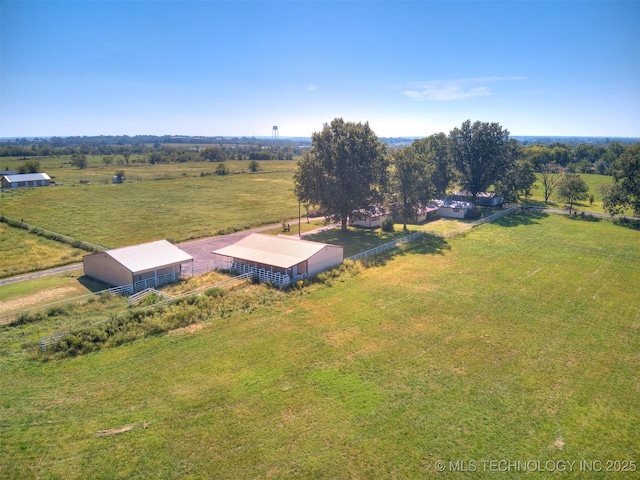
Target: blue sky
[(237, 68)]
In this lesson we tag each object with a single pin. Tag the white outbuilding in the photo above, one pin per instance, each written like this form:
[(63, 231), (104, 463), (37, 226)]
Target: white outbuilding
[(25, 180), (286, 256), (141, 266)]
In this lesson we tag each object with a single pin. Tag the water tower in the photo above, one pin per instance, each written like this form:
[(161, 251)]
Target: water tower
[(275, 135)]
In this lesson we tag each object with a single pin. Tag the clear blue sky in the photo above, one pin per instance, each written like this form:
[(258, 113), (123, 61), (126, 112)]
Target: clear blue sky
[(238, 68)]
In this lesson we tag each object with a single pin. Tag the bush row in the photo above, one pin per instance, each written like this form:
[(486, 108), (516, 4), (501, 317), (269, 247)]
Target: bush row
[(133, 324), (89, 247)]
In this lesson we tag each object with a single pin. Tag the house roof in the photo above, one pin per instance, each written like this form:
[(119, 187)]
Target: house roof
[(27, 177), (447, 203), (279, 251), (149, 256)]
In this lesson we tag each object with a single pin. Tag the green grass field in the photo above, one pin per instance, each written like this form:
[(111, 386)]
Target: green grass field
[(593, 181), (517, 341), (178, 207), (24, 252)]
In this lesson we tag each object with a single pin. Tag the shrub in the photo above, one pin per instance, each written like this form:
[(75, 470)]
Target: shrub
[(56, 310), (222, 169), (214, 292), (387, 225), (26, 317)]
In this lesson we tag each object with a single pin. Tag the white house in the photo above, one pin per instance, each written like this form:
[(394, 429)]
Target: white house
[(453, 208), (483, 199), (369, 218)]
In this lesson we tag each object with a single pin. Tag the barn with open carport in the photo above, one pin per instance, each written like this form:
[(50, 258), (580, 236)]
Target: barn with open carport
[(141, 266), (289, 257)]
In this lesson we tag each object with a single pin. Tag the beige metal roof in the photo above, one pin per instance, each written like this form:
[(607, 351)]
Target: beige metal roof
[(282, 252), (149, 256)]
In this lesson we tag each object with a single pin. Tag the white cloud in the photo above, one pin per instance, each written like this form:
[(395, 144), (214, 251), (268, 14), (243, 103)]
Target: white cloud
[(447, 90), (311, 87)]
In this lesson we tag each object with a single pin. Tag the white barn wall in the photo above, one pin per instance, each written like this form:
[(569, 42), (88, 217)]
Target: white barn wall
[(329, 257), (102, 267)]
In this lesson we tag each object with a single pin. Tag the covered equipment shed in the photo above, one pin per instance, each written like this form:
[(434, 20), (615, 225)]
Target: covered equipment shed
[(141, 266), (288, 256), (26, 180)]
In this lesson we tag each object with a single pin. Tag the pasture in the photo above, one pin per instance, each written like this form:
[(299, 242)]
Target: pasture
[(25, 252), (162, 201), (517, 340), (593, 181)]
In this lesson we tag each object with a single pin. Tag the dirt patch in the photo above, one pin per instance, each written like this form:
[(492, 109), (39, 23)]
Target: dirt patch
[(558, 444), (36, 299), (114, 431), (194, 327)]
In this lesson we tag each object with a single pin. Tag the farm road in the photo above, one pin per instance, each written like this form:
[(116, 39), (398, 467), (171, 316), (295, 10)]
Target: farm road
[(200, 250)]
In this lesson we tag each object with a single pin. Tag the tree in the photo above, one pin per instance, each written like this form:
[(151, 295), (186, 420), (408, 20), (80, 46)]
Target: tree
[(107, 160), (254, 166), (30, 166), (435, 151), (222, 169), (625, 192), (480, 154), (79, 160), (344, 170), (571, 188), (519, 180), (410, 182), (550, 180), (213, 154)]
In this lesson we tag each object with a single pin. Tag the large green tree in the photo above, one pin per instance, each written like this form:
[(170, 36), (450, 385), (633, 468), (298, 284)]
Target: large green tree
[(625, 192), (481, 154), (435, 151), (344, 170), (410, 182), (571, 188)]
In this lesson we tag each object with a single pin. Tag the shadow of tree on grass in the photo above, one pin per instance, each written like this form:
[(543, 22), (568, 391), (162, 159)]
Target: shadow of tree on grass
[(530, 217), (429, 244)]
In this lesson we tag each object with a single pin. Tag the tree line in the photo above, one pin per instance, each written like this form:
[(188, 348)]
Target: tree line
[(348, 169), (159, 153)]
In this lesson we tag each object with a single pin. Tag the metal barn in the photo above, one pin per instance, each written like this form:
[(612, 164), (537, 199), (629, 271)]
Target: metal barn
[(141, 266), (290, 257)]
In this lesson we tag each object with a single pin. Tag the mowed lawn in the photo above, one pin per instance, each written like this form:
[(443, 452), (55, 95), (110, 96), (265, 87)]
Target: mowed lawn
[(179, 208), (593, 181), (517, 341)]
